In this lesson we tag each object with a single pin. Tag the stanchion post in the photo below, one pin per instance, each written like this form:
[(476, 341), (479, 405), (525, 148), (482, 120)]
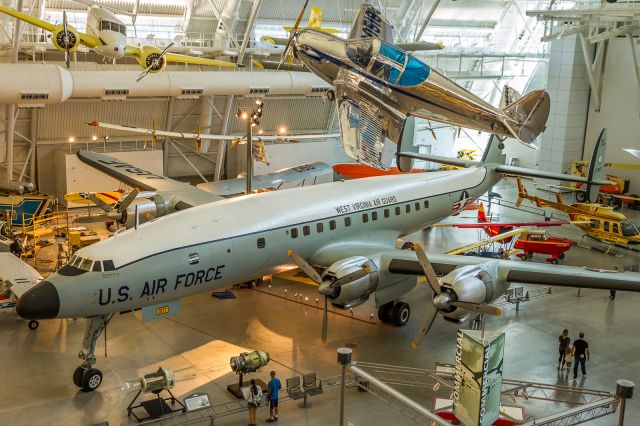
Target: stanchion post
[(344, 359), (624, 391)]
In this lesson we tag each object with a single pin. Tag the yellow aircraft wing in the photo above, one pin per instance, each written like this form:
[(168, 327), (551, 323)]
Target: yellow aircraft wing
[(83, 197), (136, 52), (493, 239), (86, 39), (26, 18), (174, 57)]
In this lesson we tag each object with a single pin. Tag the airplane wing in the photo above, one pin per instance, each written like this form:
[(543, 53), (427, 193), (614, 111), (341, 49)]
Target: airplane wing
[(86, 39), (494, 239), (514, 224), (634, 152), (186, 59), (17, 275), (302, 174), (136, 52), (144, 180), (405, 262), (182, 135), (84, 197)]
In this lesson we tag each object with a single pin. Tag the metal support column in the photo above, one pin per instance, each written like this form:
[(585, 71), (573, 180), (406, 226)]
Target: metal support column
[(168, 125), (434, 6), (205, 120), (247, 34), (249, 157), (34, 146), (634, 58), (11, 123), (222, 145), (595, 92)]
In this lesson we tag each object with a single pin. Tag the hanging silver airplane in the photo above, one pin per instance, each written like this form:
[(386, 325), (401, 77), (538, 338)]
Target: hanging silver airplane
[(349, 228), (378, 85), (107, 35)]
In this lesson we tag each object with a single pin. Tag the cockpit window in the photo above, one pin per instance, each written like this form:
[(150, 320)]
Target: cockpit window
[(97, 266), (85, 265), (76, 262), (72, 260), (107, 265), (387, 62), (113, 26), (360, 52), (629, 229)]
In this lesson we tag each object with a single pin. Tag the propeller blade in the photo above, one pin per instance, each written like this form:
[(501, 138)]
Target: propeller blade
[(427, 268), (325, 321), (294, 30), (98, 202), (425, 329), (128, 200), (305, 267), (165, 49), (67, 55), (144, 73), (478, 307)]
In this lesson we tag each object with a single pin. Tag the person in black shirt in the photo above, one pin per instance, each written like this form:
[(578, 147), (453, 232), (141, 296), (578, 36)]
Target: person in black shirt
[(581, 354), (565, 341)]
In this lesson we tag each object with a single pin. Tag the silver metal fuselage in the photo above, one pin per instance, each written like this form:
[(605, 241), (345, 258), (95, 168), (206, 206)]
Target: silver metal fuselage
[(437, 98), (231, 241)]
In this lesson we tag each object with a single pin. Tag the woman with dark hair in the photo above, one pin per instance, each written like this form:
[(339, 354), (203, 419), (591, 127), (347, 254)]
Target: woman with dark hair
[(254, 400), (565, 341)]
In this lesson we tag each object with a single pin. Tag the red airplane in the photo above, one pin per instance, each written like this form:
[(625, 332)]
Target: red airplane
[(530, 242)]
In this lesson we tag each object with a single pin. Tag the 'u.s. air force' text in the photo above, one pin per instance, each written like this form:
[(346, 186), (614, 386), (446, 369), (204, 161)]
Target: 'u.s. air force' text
[(361, 205), (160, 285)]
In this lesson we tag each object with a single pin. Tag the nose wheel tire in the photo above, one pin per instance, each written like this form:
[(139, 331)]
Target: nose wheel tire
[(554, 261), (561, 256), (33, 324), (91, 380), (400, 313)]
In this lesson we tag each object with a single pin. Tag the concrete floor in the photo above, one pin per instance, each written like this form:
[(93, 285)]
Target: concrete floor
[(37, 366)]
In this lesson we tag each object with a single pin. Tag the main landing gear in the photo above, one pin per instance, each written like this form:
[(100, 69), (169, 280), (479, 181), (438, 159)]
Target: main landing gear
[(396, 312), (85, 376)]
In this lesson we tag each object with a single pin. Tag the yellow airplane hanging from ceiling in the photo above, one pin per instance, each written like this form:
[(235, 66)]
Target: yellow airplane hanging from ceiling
[(107, 35)]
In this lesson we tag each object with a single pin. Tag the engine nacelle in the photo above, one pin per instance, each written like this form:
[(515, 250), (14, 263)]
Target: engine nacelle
[(472, 283), (350, 293), (151, 57), (147, 209), (62, 41)]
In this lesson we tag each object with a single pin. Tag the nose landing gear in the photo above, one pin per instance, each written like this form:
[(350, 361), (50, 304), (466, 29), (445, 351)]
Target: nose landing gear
[(85, 376)]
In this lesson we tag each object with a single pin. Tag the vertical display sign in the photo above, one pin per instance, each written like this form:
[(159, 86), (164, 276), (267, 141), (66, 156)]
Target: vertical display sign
[(478, 377)]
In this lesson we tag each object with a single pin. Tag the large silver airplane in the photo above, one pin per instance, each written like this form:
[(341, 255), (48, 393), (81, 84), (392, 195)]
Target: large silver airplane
[(378, 85), (349, 228)]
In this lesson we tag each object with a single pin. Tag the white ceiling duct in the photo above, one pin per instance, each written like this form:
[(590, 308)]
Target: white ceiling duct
[(51, 84)]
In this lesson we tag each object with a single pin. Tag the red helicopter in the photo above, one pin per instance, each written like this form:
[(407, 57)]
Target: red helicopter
[(530, 242)]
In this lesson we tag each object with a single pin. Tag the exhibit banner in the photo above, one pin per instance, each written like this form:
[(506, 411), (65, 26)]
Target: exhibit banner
[(478, 377)]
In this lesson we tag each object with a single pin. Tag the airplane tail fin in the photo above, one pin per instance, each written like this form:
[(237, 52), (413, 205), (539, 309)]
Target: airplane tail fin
[(315, 18), (525, 116), (482, 217), (596, 167), (522, 192)]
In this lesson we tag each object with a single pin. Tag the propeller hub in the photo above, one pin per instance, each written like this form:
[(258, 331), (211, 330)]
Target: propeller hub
[(442, 300), (326, 290)]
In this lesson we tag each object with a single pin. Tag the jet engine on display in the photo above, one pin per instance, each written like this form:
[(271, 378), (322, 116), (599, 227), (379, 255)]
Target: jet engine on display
[(249, 362)]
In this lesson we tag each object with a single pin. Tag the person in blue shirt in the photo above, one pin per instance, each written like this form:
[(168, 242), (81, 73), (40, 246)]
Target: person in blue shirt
[(273, 389)]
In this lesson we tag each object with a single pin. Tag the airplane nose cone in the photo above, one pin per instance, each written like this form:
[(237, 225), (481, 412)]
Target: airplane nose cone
[(40, 302)]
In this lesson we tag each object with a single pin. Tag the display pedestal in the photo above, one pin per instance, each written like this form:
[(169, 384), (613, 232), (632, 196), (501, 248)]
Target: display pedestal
[(155, 408), (478, 377), (236, 388)]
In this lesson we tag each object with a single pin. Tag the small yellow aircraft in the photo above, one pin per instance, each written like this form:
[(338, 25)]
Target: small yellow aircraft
[(595, 220), (107, 35), (88, 198)]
